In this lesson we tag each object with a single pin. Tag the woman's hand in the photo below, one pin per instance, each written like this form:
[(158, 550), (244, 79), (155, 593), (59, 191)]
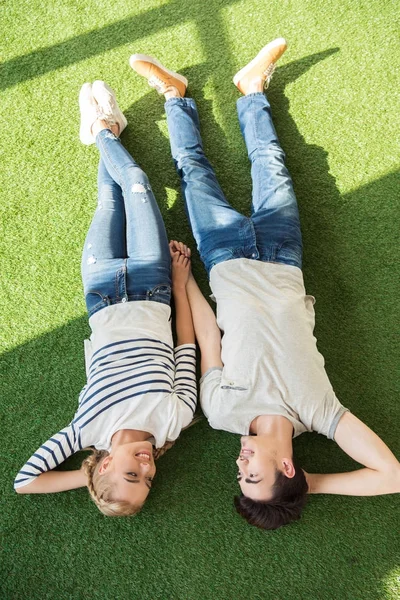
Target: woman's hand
[(179, 247), (180, 255)]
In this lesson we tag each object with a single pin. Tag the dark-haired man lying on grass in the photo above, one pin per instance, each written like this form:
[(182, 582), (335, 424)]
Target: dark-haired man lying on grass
[(268, 378)]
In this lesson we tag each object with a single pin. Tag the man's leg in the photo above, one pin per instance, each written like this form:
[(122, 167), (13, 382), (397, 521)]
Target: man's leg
[(274, 207), (219, 230), (221, 233)]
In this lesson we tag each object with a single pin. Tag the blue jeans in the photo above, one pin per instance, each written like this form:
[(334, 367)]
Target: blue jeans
[(272, 232), (126, 255)]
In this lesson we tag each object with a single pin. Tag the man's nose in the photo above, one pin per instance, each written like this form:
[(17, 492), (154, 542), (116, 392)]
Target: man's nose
[(144, 466), (242, 462)]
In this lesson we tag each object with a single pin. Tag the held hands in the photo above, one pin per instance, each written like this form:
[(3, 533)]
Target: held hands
[(180, 256)]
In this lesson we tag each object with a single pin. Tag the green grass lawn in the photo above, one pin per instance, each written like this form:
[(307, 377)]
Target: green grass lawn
[(334, 105)]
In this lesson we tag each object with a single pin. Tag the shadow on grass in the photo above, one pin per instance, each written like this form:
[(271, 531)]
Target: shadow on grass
[(189, 520), (195, 484), (124, 31)]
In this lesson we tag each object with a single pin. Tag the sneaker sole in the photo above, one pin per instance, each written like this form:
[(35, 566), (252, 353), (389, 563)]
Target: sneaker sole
[(85, 136), (154, 61), (243, 72)]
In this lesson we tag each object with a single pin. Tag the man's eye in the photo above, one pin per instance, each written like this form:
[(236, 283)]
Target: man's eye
[(132, 474), (150, 479)]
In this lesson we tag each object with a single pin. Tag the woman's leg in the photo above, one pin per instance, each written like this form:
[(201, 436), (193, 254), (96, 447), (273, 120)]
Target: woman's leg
[(105, 242), (148, 258)]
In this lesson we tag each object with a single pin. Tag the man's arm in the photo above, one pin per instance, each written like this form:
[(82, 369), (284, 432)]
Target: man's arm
[(54, 481), (382, 472), (205, 325)]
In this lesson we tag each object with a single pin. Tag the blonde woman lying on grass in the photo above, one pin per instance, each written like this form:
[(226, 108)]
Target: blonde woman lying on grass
[(140, 391)]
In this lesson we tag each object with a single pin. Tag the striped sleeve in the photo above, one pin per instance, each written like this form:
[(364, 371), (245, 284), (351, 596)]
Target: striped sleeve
[(50, 454), (185, 386)]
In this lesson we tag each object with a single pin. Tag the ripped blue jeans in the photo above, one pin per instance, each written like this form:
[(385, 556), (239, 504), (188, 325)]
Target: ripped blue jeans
[(126, 255)]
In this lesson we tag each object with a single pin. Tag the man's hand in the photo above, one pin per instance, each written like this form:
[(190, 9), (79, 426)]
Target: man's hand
[(180, 256), (309, 479), (381, 474)]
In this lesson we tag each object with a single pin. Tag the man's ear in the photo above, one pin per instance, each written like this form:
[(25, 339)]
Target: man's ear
[(105, 463), (288, 468)]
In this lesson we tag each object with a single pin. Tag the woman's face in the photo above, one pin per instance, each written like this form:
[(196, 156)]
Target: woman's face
[(131, 469)]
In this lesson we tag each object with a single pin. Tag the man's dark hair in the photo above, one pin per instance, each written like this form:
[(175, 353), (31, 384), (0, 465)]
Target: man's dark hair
[(289, 498)]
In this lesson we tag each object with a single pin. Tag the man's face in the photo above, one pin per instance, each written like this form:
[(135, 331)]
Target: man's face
[(257, 468)]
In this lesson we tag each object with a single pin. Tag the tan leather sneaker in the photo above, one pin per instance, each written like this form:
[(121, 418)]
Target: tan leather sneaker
[(157, 75), (261, 67)]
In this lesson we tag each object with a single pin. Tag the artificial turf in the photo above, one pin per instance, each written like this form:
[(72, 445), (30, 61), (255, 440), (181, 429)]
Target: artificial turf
[(333, 101)]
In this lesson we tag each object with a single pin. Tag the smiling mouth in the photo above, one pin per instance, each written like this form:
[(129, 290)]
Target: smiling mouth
[(143, 454), (246, 453)]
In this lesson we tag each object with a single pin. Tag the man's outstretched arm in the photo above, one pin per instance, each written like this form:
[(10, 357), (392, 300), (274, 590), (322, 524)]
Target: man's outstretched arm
[(381, 474)]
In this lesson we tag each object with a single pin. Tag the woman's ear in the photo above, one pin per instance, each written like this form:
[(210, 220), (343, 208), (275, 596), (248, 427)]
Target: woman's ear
[(105, 463)]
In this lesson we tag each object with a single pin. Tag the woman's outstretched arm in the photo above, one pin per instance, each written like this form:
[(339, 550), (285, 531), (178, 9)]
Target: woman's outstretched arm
[(55, 481)]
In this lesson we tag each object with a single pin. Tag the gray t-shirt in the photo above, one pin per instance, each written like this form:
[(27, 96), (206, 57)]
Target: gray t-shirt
[(271, 362)]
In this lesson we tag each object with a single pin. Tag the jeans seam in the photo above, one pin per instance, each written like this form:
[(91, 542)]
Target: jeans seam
[(114, 166), (255, 152)]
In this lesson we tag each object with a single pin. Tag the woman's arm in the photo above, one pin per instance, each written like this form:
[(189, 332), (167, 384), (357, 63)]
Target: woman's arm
[(55, 481), (46, 458), (183, 315), (205, 325), (382, 472)]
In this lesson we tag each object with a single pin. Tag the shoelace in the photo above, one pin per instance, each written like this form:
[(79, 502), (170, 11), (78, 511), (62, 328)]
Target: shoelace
[(104, 116), (157, 83), (268, 74)]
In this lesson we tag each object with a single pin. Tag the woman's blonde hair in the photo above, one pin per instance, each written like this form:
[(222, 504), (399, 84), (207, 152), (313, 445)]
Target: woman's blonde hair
[(100, 488)]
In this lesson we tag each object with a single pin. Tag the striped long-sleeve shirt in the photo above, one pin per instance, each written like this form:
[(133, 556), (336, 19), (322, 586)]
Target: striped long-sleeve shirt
[(135, 380)]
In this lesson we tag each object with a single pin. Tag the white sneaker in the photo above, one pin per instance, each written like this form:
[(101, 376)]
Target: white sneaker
[(90, 112), (104, 95)]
